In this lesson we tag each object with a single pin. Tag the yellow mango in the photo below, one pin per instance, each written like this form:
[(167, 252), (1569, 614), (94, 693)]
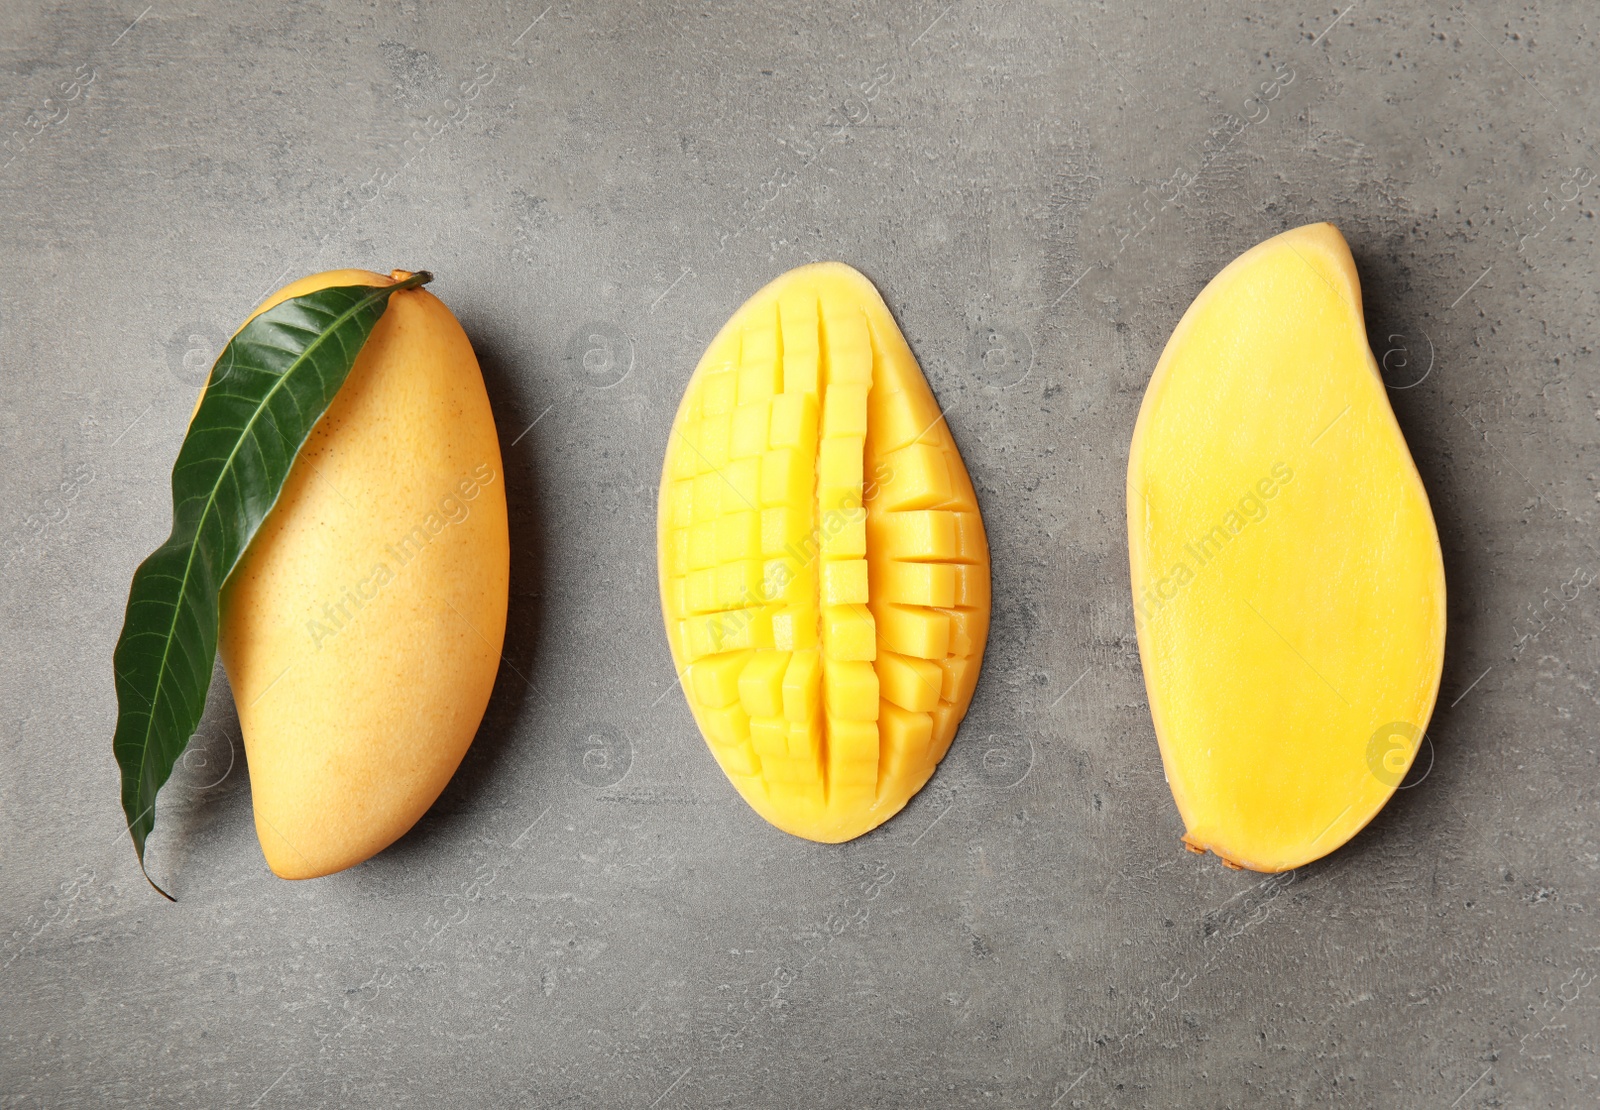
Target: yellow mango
[(1288, 587), (361, 630), (823, 567)]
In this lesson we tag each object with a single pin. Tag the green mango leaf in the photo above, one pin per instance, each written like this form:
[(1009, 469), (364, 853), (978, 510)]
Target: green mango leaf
[(269, 387)]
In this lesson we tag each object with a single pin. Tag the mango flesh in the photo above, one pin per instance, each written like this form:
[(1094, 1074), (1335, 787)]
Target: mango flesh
[(361, 630), (1288, 586), (823, 567)]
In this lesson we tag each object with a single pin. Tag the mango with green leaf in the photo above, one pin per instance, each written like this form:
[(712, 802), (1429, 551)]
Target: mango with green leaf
[(340, 527)]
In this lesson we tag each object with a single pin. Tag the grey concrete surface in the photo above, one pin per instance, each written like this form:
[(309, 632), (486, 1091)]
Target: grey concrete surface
[(590, 916)]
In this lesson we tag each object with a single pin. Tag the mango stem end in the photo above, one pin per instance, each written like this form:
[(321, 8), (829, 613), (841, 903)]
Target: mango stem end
[(405, 279)]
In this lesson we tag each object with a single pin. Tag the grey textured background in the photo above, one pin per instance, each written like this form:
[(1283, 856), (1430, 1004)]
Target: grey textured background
[(590, 915)]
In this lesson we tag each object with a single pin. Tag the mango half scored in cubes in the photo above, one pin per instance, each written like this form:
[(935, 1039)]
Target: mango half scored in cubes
[(824, 571)]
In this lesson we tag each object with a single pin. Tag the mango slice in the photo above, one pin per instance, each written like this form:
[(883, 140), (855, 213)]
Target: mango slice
[(823, 566), (1288, 587), (361, 631)]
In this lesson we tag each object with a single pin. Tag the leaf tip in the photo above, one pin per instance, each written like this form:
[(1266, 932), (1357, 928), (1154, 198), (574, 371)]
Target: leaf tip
[(152, 882)]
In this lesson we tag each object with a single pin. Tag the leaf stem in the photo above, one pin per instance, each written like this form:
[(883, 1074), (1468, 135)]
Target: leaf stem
[(415, 281)]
